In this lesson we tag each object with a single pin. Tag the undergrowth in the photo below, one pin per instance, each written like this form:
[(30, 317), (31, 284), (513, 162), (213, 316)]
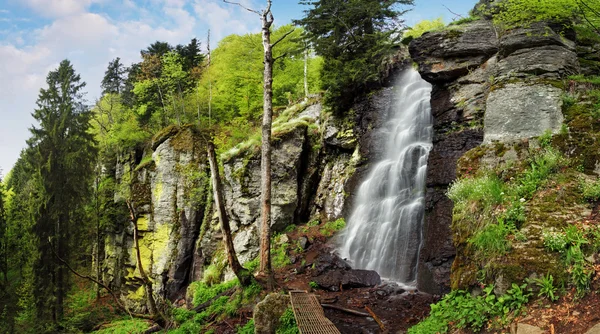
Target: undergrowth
[(460, 309)]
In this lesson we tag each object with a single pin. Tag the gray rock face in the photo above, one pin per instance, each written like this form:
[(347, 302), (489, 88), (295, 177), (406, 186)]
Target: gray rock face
[(348, 279), (242, 190), (446, 55), (537, 35), (522, 111), (167, 193), (547, 61)]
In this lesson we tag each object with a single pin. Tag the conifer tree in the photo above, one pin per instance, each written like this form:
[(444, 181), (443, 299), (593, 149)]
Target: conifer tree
[(62, 155), (114, 77)]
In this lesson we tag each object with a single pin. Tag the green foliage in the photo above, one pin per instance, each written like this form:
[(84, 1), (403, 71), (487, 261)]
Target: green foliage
[(590, 190), (547, 288), (571, 243), (248, 328), (424, 26), (313, 284), (287, 323), (279, 253), (515, 12), (333, 226), (492, 240), (135, 326), (203, 292), (354, 37), (541, 166), (482, 193), (460, 309)]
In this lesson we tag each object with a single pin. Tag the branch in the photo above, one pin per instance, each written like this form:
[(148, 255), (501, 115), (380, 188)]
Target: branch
[(121, 306), (283, 37), (579, 3), (246, 8), (453, 13), (349, 311), (279, 57), (379, 322)]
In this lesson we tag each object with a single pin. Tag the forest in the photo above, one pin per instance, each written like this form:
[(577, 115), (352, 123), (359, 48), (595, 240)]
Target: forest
[(65, 195)]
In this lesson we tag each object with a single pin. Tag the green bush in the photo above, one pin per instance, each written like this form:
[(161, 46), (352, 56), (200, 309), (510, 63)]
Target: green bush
[(287, 323), (248, 328)]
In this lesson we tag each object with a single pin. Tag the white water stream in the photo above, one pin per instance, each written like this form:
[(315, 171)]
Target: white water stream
[(384, 230)]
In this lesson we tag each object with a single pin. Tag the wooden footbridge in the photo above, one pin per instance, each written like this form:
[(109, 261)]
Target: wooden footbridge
[(309, 314)]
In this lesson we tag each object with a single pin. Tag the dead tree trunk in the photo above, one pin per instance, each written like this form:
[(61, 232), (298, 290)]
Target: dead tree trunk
[(240, 272), (154, 311), (266, 17)]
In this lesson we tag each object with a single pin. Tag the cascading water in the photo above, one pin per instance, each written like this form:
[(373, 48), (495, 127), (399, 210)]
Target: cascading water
[(384, 230)]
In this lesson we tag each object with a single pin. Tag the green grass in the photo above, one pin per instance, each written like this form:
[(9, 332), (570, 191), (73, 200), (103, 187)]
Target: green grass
[(125, 327), (590, 190), (492, 240)]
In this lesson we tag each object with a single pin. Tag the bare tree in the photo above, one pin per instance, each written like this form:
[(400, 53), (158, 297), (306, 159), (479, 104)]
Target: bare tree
[(266, 17), (240, 272)]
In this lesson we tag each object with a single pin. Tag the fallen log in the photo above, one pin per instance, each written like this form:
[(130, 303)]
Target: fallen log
[(346, 310)]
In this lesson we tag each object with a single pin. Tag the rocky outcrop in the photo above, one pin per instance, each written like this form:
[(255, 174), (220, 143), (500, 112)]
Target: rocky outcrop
[(167, 190), (511, 82)]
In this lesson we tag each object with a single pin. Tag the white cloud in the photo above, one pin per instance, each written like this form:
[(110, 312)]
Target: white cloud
[(224, 19), (58, 8)]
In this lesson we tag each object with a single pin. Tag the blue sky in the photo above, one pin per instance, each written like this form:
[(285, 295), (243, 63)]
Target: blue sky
[(35, 35)]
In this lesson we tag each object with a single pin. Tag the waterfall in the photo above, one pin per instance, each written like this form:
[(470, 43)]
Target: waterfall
[(384, 231)]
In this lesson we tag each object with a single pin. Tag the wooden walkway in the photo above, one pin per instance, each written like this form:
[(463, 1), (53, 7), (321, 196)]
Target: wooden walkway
[(309, 314)]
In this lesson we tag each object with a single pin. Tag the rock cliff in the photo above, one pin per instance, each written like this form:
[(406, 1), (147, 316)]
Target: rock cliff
[(491, 88)]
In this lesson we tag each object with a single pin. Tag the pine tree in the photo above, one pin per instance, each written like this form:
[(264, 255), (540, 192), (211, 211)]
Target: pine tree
[(62, 155), (114, 77)]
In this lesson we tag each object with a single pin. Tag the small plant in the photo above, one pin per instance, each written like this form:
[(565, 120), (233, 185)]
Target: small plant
[(590, 190), (313, 223), (491, 241), (313, 284), (545, 139), (554, 241), (287, 323), (331, 227), (547, 288), (248, 328)]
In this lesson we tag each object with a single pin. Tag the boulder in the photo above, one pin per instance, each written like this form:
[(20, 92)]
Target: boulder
[(332, 280), (268, 311), (549, 61), (522, 111)]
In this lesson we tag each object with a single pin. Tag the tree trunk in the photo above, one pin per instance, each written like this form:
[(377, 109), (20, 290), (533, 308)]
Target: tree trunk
[(306, 74), (265, 230), (146, 281), (240, 272)]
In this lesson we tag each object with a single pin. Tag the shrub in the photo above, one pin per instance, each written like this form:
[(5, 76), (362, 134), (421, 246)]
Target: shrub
[(287, 323), (491, 241)]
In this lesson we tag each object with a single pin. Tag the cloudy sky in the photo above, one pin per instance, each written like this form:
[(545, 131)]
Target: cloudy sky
[(35, 35)]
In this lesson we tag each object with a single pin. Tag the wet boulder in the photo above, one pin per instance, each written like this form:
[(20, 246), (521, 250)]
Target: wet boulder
[(347, 279)]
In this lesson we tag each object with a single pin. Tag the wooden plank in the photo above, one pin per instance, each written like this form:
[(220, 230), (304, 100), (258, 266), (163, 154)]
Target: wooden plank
[(309, 314)]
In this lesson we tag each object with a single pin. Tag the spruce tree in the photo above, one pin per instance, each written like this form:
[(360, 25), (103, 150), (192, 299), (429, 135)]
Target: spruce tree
[(114, 77), (354, 37), (62, 155)]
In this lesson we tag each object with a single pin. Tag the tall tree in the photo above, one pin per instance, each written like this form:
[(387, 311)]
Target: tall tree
[(62, 151), (3, 236), (266, 18), (114, 77), (354, 37), (157, 48), (191, 54)]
